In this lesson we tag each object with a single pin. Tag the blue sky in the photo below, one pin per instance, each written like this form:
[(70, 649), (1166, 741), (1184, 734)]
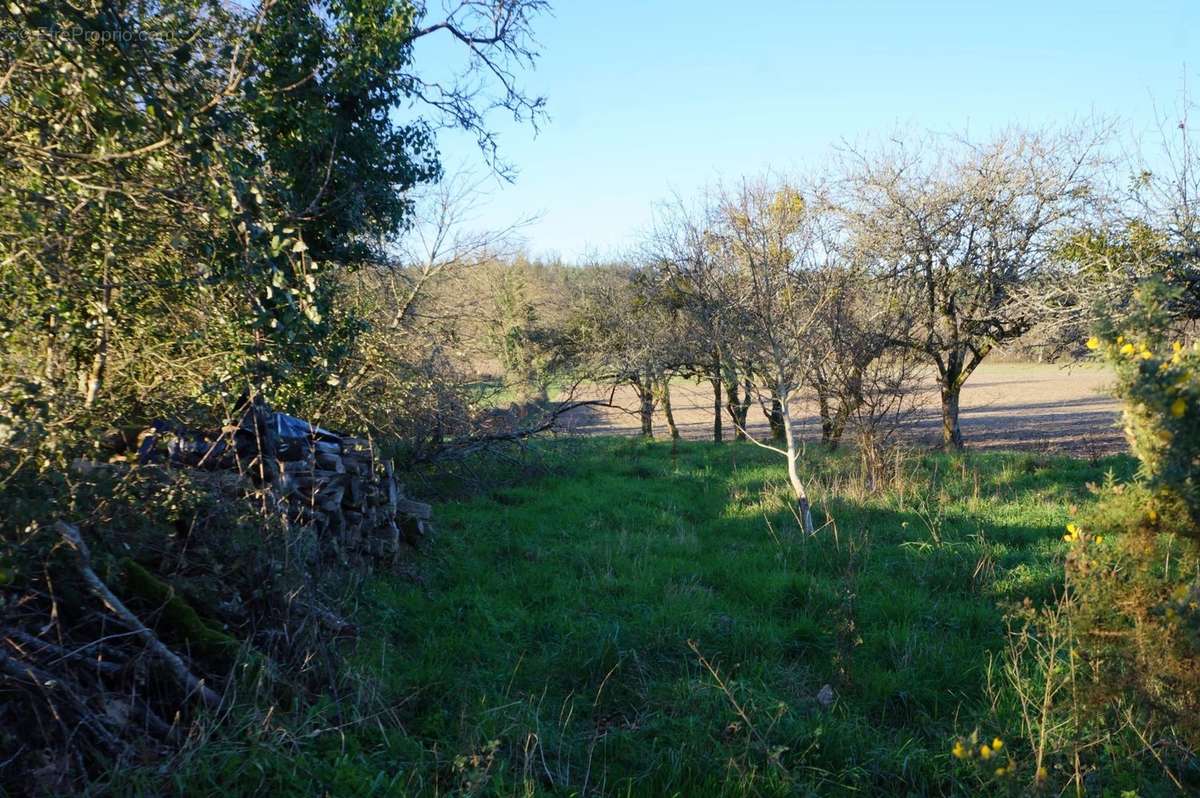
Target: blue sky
[(650, 98)]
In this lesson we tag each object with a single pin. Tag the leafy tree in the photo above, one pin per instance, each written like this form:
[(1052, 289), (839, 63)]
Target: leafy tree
[(186, 183)]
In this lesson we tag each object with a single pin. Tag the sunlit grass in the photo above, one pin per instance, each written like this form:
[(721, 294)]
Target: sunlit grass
[(560, 612), (557, 639)]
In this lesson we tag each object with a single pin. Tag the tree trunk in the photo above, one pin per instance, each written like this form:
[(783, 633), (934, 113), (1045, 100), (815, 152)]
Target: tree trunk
[(837, 425), (100, 360), (826, 418), (803, 508), (732, 403), (715, 381), (737, 403), (646, 411), (747, 400), (775, 418), (664, 392), (51, 369), (954, 373), (848, 403), (952, 437)]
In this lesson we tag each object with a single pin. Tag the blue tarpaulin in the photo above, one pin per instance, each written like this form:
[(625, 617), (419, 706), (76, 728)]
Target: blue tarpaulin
[(291, 427)]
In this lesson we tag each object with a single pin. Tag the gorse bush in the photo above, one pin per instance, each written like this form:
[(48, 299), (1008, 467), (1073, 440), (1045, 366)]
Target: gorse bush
[(1158, 379), (1107, 672)]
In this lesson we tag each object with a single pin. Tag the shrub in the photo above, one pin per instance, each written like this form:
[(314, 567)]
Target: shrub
[(1158, 379)]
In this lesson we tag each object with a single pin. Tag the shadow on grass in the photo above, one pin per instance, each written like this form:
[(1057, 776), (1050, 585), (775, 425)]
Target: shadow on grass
[(644, 616)]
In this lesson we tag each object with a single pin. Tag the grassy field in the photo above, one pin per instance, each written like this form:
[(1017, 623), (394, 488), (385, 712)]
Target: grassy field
[(646, 620)]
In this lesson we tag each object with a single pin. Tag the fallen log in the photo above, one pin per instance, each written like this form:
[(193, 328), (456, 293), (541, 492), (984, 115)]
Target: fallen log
[(188, 680)]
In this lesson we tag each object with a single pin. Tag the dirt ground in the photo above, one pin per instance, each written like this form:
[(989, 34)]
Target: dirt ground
[(1036, 407)]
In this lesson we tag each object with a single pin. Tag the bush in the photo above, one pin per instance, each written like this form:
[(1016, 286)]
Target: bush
[(221, 581), (1103, 683), (1158, 379), (1106, 678)]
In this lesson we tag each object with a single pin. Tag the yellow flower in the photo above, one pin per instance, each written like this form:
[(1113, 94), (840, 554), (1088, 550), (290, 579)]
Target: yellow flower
[(1093, 343), (1146, 354), (1073, 528), (1178, 408), (959, 750), (1000, 771), (1042, 774), (1152, 515), (1176, 347), (1099, 538), (997, 744), (1120, 339), (1127, 349), (985, 752)]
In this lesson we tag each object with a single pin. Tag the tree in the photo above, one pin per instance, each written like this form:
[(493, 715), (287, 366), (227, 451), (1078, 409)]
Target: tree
[(630, 336), (187, 183), (961, 232), (678, 253), (865, 380), (409, 376), (763, 252), (1149, 235)]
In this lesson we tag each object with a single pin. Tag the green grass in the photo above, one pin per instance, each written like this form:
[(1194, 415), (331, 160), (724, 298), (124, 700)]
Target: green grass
[(557, 640)]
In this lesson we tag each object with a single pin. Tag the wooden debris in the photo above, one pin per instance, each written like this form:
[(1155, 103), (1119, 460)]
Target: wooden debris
[(191, 684), (331, 482)]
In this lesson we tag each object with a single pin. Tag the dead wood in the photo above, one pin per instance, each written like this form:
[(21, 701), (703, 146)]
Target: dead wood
[(186, 679)]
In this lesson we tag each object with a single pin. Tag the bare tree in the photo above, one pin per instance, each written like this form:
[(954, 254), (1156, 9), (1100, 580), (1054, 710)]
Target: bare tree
[(498, 35), (766, 242), (865, 378), (410, 374), (960, 229), (1150, 232), (679, 252), (443, 244), (630, 335)]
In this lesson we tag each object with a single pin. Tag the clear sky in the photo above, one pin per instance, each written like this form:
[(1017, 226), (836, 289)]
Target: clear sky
[(651, 97)]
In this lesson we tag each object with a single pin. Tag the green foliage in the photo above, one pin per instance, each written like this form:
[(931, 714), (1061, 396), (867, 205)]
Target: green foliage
[(528, 351), (1158, 378), (325, 83), (1107, 674), (185, 185)]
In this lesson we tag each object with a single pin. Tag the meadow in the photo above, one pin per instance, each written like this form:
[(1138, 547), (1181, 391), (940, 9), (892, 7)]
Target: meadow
[(638, 618)]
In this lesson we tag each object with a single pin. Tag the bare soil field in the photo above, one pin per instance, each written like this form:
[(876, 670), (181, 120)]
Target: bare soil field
[(1036, 407)]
